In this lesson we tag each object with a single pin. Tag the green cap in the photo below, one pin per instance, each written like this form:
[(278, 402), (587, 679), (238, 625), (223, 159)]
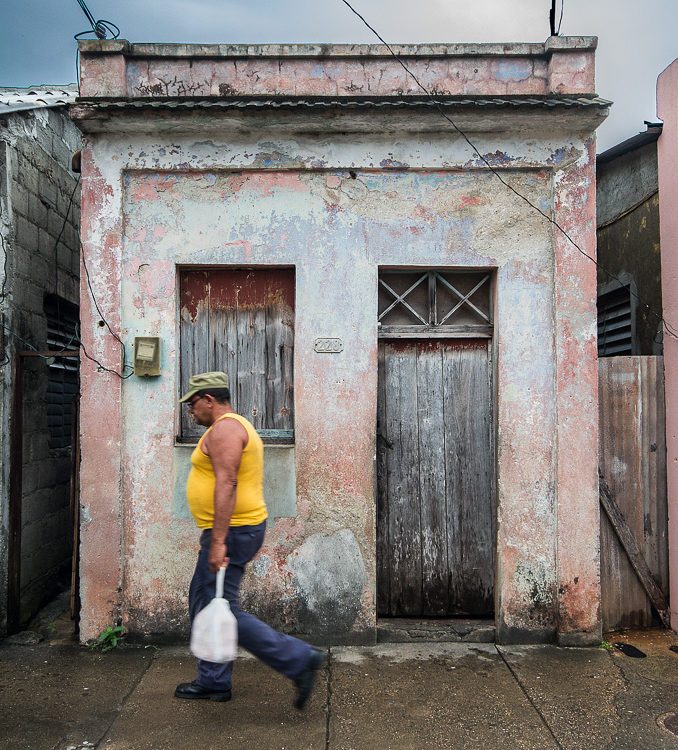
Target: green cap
[(203, 382)]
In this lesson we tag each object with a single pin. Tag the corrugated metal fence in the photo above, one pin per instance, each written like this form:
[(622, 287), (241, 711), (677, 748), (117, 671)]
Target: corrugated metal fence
[(633, 464)]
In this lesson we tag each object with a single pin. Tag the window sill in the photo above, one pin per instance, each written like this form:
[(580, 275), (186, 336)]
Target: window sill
[(269, 438)]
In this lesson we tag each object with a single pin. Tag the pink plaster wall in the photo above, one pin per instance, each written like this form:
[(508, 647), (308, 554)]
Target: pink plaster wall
[(667, 158), (145, 210), (101, 539), (576, 402), (118, 69), (104, 75)]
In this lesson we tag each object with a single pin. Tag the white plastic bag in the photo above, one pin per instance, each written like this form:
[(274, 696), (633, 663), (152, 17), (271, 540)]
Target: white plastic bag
[(214, 635)]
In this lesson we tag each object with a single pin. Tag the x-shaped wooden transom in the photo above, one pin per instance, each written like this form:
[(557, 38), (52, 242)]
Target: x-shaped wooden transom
[(400, 298), (434, 277), (464, 299)]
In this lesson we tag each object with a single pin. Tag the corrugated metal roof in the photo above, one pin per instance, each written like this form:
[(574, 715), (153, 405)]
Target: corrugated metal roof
[(289, 103), (16, 100)]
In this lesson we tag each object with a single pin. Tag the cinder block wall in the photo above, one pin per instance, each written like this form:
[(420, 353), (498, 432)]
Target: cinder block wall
[(42, 240)]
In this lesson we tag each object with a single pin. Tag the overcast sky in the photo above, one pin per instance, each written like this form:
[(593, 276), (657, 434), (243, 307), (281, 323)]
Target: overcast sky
[(636, 39)]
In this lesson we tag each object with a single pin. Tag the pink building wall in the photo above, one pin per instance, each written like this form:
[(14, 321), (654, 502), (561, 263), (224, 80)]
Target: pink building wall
[(667, 158), (337, 196)]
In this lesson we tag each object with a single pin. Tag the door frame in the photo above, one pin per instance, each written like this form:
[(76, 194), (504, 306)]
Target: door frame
[(450, 331)]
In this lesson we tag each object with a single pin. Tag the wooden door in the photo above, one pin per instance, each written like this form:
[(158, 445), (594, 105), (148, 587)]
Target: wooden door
[(435, 473), (632, 461)]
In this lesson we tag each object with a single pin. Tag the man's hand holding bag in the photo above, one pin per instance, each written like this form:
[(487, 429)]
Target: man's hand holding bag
[(214, 635)]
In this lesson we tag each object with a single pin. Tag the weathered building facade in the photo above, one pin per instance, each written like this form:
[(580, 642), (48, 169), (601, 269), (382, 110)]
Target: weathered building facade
[(627, 199), (39, 295), (415, 342)]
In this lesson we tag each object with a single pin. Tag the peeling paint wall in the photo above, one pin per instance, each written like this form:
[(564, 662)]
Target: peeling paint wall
[(337, 208)]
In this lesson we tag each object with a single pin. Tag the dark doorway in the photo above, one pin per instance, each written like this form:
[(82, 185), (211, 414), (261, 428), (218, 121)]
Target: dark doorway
[(43, 508)]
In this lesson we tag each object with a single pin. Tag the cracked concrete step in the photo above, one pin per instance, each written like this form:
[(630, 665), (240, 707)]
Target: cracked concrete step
[(407, 630)]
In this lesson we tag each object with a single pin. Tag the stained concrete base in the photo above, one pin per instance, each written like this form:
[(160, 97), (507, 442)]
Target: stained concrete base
[(391, 696), (409, 630)]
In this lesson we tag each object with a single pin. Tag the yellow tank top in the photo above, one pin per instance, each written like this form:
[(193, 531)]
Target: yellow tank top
[(250, 508)]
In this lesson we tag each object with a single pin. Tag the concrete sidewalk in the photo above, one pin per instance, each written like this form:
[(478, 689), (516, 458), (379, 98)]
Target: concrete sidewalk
[(59, 696)]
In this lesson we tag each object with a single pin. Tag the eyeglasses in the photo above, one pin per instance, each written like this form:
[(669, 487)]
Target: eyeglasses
[(193, 402)]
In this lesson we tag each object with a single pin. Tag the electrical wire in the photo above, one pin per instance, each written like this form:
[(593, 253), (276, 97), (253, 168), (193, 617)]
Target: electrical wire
[(100, 31), (101, 367), (33, 348), (76, 332), (56, 245), (560, 20), (112, 332), (3, 293), (100, 28), (670, 330)]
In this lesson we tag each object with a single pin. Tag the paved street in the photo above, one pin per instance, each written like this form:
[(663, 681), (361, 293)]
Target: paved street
[(55, 695)]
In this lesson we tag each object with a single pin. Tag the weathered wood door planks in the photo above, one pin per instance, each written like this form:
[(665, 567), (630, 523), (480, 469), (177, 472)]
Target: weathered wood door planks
[(632, 460), (435, 473), (241, 321)]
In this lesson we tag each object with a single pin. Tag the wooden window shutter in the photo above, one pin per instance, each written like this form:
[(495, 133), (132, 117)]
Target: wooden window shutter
[(241, 321)]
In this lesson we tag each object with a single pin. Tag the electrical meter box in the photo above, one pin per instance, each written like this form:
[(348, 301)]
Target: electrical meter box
[(146, 356)]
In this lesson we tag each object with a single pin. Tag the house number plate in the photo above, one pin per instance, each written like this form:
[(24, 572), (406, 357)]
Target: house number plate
[(328, 346)]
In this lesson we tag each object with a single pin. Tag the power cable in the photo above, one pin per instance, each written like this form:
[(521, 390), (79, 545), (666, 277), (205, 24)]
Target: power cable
[(101, 28), (101, 367), (76, 332), (56, 248), (33, 348), (670, 330), (3, 293), (105, 322)]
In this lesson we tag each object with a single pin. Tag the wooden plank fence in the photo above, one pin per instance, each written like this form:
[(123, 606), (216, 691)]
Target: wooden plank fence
[(632, 462)]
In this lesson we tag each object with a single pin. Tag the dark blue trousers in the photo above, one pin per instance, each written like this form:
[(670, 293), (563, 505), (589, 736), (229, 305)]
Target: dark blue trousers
[(282, 652)]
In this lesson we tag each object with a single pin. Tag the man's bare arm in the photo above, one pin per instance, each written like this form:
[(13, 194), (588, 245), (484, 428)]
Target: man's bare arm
[(224, 445)]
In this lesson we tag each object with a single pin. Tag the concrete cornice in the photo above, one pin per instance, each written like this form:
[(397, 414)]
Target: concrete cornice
[(220, 117), (155, 50), (116, 69)]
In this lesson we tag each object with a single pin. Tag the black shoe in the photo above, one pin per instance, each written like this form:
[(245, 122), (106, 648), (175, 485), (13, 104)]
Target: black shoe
[(306, 679), (194, 691)]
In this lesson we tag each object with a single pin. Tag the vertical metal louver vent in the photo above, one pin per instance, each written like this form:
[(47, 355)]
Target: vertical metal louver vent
[(616, 324), (63, 378)]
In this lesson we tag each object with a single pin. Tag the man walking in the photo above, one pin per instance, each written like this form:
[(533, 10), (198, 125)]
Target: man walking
[(225, 497)]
